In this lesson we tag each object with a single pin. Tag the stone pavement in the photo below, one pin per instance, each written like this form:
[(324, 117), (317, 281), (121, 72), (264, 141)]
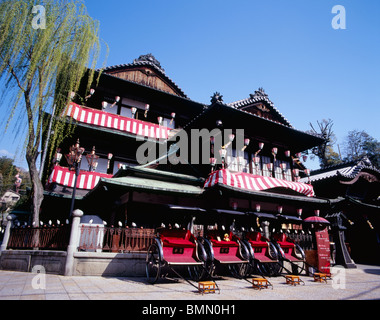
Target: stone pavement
[(362, 283)]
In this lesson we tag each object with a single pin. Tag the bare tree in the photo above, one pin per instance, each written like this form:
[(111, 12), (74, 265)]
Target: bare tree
[(325, 152)]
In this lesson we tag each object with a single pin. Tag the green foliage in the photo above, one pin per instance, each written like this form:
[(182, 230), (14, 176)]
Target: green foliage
[(41, 66), (359, 144), (7, 174)]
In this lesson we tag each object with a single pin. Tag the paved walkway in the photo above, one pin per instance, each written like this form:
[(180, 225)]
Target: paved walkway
[(359, 284)]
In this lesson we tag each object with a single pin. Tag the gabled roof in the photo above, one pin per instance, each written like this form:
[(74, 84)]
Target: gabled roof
[(147, 60), (260, 96), (348, 170)]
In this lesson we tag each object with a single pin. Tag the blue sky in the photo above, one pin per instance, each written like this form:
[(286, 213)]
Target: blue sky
[(310, 70)]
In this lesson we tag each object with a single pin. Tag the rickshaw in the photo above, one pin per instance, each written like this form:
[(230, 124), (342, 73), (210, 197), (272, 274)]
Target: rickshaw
[(176, 248), (288, 250), (264, 257), (223, 247)]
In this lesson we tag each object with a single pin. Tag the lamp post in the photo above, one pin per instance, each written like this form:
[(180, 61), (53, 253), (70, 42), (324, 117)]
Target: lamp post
[(92, 160), (74, 159)]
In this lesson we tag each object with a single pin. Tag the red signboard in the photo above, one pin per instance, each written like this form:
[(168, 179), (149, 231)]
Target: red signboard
[(323, 250)]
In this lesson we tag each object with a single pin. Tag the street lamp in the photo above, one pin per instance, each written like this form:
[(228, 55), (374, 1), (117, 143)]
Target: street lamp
[(92, 160), (74, 159)]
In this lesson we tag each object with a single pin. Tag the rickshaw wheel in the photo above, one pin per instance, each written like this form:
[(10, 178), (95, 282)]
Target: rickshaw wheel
[(153, 263), (209, 265), (272, 268), (239, 270), (198, 272), (299, 266)]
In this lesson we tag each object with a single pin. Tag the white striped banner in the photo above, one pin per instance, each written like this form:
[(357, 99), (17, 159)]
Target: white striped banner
[(86, 180), (113, 121), (248, 181)]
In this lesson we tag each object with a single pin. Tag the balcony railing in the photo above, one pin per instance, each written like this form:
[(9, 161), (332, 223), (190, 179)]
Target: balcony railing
[(122, 240), (44, 238)]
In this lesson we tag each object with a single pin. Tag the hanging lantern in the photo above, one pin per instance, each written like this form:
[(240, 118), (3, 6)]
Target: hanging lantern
[(104, 104), (307, 172), (92, 91), (258, 208), (279, 209), (57, 157), (274, 151), (299, 212), (223, 153), (261, 145), (316, 212), (147, 107), (296, 172), (133, 110), (212, 164), (246, 144), (234, 205), (287, 153), (160, 119), (173, 117), (110, 156), (117, 99)]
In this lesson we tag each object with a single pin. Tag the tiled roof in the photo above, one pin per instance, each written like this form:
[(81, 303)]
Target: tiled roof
[(259, 96), (347, 170), (147, 60)]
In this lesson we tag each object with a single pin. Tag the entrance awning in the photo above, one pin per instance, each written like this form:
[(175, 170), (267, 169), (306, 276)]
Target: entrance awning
[(252, 182)]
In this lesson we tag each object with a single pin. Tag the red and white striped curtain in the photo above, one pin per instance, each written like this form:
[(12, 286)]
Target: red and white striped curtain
[(252, 182), (112, 121), (86, 180)]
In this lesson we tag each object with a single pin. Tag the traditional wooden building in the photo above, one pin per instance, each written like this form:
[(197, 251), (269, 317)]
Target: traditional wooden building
[(253, 161), (356, 222)]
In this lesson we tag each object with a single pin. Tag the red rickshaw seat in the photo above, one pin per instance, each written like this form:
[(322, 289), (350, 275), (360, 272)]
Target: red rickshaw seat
[(177, 238), (213, 237)]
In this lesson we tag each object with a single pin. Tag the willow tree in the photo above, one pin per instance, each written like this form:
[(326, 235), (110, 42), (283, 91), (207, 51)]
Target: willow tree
[(46, 47)]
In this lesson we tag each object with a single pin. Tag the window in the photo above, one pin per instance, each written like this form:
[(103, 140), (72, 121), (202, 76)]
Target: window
[(278, 169), (256, 165), (166, 123), (126, 112), (265, 161), (231, 160), (237, 160)]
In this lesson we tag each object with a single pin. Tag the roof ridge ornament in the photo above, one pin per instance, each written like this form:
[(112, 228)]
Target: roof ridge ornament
[(149, 58), (216, 97), (259, 93)]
